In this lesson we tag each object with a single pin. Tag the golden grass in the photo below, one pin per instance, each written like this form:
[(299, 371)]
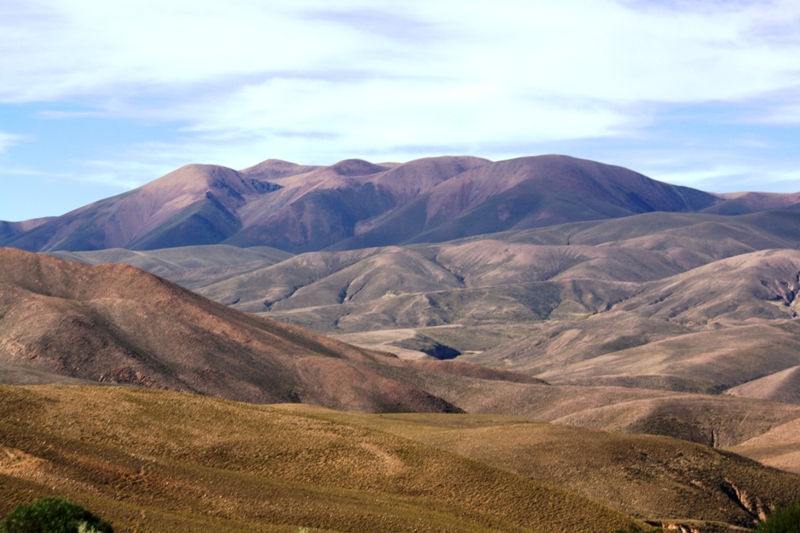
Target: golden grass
[(656, 478), (163, 461)]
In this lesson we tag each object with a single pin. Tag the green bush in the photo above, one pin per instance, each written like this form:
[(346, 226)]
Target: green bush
[(782, 520), (53, 515)]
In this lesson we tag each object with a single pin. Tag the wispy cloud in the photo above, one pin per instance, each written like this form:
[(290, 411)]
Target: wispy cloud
[(8, 140), (315, 81)]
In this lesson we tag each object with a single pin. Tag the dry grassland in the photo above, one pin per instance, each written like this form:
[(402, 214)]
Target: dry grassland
[(164, 461), (660, 479)]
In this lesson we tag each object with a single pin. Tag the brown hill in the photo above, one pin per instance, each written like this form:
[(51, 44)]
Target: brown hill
[(783, 386), (706, 330), (749, 202), (712, 420), (644, 301), (779, 447), (118, 324), (160, 460)]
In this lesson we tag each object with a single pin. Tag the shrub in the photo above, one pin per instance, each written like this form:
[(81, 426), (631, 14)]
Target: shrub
[(782, 520), (53, 515)]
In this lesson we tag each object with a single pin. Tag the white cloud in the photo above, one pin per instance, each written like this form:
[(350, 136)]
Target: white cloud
[(8, 140), (315, 80), (595, 49), (788, 115)]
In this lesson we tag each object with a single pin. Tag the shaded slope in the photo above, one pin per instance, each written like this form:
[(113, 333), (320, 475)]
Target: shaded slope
[(143, 460), (9, 230), (117, 324), (778, 228)]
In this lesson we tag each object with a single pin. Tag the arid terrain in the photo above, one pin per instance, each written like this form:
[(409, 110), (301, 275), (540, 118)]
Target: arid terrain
[(547, 329), (158, 460)]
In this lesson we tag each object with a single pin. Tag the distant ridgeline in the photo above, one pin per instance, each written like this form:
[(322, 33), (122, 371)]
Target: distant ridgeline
[(355, 204)]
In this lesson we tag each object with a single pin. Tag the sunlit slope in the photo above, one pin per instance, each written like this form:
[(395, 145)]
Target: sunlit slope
[(157, 460), (779, 447), (783, 386), (662, 479), (195, 204)]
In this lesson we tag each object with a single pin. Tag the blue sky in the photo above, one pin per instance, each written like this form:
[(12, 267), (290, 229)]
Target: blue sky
[(98, 97)]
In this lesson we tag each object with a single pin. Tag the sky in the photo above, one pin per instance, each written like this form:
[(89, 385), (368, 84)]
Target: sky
[(100, 96)]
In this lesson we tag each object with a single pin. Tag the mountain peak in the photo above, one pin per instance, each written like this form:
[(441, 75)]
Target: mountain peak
[(356, 167)]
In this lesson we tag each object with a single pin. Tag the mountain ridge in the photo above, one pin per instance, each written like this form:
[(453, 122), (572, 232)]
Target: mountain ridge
[(355, 204)]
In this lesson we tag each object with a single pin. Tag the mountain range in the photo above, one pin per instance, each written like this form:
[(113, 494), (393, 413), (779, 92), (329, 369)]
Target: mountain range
[(356, 204)]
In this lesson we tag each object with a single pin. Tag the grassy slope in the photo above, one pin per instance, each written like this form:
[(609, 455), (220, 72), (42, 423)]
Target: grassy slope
[(657, 478), (155, 460)]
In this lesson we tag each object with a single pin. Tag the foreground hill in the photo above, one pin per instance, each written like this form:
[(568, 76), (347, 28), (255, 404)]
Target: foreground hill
[(356, 204), (118, 324), (165, 461), (160, 460)]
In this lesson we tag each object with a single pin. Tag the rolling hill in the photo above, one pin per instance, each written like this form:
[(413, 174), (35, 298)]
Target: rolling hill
[(643, 301), (161, 460), (118, 324), (550, 288), (779, 447)]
